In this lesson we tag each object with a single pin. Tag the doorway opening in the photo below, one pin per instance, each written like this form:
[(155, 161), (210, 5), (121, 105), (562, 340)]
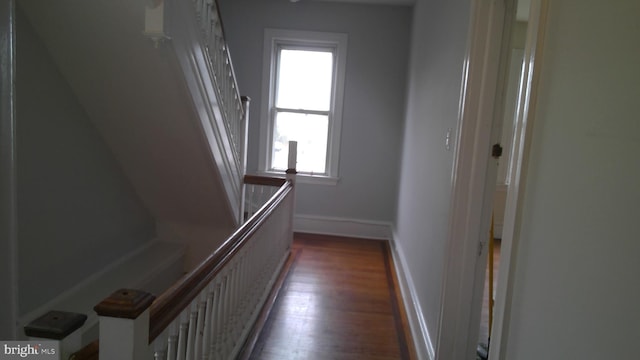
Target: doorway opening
[(510, 80)]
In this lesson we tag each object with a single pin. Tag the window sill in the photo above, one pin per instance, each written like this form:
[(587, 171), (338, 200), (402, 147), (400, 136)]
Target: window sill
[(308, 179)]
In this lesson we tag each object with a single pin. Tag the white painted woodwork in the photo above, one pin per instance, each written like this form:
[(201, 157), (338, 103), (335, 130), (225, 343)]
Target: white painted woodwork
[(473, 186), (338, 45), (125, 338), (571, 290), (153, 267), (255, 197), (173, 146), (218, 320), (425, 185), (358, 228), (522, 136), (423, 340), (215, 324), (374, 97), (293, 155), (202, 52)]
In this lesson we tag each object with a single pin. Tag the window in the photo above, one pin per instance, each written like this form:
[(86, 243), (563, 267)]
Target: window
[(303, 84)]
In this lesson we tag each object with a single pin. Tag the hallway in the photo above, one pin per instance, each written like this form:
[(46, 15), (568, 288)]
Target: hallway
[(338, 301)]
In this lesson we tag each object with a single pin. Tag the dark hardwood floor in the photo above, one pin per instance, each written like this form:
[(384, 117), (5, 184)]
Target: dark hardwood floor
[(339, 300)]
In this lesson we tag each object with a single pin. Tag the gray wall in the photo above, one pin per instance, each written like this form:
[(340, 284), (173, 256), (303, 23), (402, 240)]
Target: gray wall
[(76, 210), (437, 55), (576, 289), (373, 102), (7, 172)]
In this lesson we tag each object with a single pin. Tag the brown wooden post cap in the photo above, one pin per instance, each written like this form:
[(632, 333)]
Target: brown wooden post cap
[(125, 303), (55, 325)]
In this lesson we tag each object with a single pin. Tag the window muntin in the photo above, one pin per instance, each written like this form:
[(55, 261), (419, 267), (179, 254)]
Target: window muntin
[(304, 79), (303, 83), (303, 90)]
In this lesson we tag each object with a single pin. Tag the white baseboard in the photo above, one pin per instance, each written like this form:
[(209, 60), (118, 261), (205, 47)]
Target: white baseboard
[(357, 228), (421, 338), (137, 269)]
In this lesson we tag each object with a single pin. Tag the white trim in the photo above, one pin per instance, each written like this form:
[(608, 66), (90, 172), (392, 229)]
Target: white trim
[(519, 161), (73, 300), (273, 37), (358, 228), (473, 187), (260, 304), (305, 178), (199, 80), (422, 340), (498, 224)]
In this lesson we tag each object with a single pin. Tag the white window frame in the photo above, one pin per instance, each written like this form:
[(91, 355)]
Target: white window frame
[(275, 38)]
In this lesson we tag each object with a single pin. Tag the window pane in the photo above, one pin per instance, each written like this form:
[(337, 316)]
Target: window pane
[(304, 79), (310, 131)]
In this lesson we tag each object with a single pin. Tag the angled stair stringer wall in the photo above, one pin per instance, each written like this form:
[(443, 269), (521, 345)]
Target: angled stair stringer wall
[(187, 37), (157, 109)]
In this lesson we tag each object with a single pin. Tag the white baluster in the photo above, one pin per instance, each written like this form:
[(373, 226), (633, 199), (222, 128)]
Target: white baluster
[(252, 191), (233, 315), (220, 318), (160, 346), (172, 341), (191, 337), (182, 335), (217, 319), (208, 325), (202, 306)]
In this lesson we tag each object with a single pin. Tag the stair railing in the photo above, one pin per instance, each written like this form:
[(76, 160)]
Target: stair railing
[(224, 76), (234, 108), (211, 311), (194, 29)]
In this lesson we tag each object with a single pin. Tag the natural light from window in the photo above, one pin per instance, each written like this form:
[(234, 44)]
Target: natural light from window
[(303, 103)]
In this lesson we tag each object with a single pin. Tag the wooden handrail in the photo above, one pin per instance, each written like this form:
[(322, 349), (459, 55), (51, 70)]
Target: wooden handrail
[(171, 303), (264, 180)]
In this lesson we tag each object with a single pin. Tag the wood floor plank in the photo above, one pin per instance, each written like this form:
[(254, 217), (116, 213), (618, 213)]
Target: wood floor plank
[(338, 301)]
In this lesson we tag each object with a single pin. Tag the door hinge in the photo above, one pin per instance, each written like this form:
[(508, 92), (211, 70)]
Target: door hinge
[(496, 150), (480, 248)]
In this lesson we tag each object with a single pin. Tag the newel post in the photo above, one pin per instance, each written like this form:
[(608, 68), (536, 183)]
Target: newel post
[(293, 160), (291, 176), (124, 325), (60, 327)]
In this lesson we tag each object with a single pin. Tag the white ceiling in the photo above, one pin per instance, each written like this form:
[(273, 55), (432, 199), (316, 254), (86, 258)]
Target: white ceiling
[(378, 2), (522, 12)]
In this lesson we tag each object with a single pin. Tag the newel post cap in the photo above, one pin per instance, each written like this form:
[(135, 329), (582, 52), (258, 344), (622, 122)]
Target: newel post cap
[(55, 325), (125, 303)]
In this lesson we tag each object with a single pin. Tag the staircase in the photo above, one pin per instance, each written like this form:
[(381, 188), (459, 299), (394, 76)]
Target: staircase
[(143, 74), (155, 79)]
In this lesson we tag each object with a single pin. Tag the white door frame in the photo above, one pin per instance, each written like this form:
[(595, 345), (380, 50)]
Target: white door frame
[(474, 179), (523, 134), (8, 182)]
